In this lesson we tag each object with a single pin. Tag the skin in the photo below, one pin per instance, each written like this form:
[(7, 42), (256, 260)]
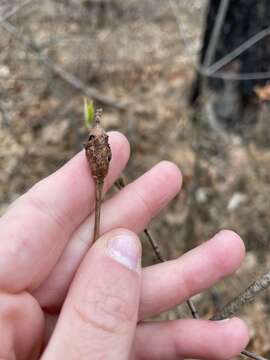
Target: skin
[(60, 299)]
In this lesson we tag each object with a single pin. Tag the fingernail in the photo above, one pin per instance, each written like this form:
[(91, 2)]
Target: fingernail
[(125, 250)]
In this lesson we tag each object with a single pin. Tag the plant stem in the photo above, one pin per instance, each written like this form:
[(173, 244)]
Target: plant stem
[(245, 297), (252, 355), (154, 245), (193, 310), (99, 188), (120, 184)]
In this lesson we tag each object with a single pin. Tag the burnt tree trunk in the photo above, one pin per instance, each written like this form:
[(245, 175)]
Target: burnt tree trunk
[(244, 19)]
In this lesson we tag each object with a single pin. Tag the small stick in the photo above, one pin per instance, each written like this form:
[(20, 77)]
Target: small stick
[(193, 310), (99, 188), (155, 246), (245, 297), (252, 355), (98, 153), (120, 184)]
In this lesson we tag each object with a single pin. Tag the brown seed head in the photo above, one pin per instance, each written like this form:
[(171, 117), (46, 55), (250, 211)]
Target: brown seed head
[(98, 151)]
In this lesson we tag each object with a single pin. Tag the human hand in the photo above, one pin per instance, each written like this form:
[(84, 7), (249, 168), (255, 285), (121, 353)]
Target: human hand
[(62, 299)]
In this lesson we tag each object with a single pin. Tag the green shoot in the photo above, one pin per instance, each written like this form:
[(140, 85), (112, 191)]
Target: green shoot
[(89, 113)]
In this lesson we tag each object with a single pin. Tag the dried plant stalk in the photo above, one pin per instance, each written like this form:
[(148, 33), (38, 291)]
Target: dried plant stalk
[(99, 188), (98, 153), (120, 184), (252, 355), (245, 297)]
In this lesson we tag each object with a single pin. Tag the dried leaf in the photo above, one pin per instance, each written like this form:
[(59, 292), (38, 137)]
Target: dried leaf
[(263, 92)]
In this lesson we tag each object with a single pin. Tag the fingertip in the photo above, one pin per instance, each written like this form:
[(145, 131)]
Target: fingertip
[(211, 340), (235, 333), (242, 333), (235, 240), (118, 139), (230, 250), (171, 174)]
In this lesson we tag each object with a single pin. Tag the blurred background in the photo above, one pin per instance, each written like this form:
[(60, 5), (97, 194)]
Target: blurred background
[(185, 81)]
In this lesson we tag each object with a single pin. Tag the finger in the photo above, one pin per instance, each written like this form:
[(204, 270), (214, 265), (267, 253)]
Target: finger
[(99, 316), (167, 285), (21, 326), (193, 339), (132, 208), (42, 221)]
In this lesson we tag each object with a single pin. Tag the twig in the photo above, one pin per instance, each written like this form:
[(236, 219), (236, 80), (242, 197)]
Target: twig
[(120, 184), (245, 297), (161, 258), (193, 310), (154, 245), (252, 355), (58, 70), (99, 188)]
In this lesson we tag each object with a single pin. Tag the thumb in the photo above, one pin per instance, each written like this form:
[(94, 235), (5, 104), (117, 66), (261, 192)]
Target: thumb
[(99, 316)]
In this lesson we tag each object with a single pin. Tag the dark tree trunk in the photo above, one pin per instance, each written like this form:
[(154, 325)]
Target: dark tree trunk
[(244, 19)]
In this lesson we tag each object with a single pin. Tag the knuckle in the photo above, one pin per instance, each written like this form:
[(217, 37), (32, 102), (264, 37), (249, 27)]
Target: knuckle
[(105, 310)]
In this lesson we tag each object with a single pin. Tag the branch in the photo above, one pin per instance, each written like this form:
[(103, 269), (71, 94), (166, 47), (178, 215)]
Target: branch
[(58, 70), (245, 297), (252, 355), (120, 184)]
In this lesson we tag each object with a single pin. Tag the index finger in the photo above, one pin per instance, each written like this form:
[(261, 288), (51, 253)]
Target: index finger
[(36, 228)]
